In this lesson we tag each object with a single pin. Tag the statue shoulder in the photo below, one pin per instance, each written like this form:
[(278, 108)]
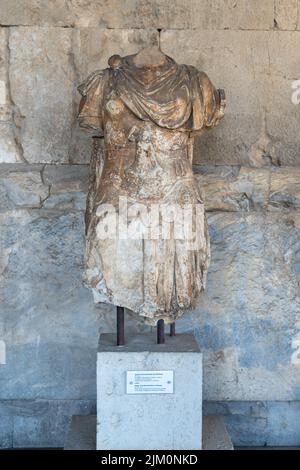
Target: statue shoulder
[(199, 75), (92, 81)]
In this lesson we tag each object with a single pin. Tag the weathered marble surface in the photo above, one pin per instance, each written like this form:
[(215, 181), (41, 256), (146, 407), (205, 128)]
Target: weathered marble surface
[(148, 109), (44, 423), (50, 319), (40, 76), (287, 14), (259, 423), (42, 66), (42, 254), (92, 48), (9, 151), (232, 188), (203, 14), (67, 186), (249, 314), (41, 69), (285, 189), (224, 188), (21, 186), (38, 423), (246, 333), (262, 123)]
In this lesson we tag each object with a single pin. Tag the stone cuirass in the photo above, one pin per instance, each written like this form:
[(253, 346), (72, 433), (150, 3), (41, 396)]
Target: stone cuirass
[(143, 195)]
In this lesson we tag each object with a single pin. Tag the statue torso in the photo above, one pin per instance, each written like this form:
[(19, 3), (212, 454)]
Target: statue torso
[(147, 113), (141, 160)]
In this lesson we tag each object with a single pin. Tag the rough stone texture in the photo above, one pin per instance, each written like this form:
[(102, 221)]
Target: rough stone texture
[(282, 116), (204, 14), (95, 46), (285, 189), (35, 245), (9, 152), (261, 125), (49, 322), (234, 189), (67, 186), (5, 113), (41, 82), (142, 421), (215, 435), (287, 14), (248, 323), (224, 188), (21, 186), (51, 187), (254, 267), (82, 434), (38, 423), (40, 69), (249, 317), (8, 148), (92, 49), (260, 423)]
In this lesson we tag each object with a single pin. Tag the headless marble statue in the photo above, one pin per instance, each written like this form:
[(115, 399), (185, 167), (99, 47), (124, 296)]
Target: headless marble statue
[(148, 109)]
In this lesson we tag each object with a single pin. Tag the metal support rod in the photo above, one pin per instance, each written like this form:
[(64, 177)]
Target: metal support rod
[(160, 332), (172, 329), (120, 327)]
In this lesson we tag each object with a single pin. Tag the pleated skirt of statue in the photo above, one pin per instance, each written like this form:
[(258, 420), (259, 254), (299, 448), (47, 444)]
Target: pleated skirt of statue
[(155, 278)]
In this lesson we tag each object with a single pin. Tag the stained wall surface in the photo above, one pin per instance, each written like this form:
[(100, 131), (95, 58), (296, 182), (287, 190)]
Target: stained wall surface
[(248, 321)]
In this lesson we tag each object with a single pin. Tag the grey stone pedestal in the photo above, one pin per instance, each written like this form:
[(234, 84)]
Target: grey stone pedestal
[(82, 434), (139, 410)]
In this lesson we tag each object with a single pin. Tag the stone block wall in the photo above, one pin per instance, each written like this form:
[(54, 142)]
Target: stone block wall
[(248, 321)]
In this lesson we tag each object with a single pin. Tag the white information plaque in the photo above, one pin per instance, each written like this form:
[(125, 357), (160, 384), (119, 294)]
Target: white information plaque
[(149, 381)]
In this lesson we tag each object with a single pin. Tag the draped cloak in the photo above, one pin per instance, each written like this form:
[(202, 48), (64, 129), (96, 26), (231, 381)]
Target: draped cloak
[(178, 97)]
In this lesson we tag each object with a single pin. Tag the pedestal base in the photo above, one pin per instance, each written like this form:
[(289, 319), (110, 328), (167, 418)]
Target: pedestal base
[(82, 434), (158, 405)]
